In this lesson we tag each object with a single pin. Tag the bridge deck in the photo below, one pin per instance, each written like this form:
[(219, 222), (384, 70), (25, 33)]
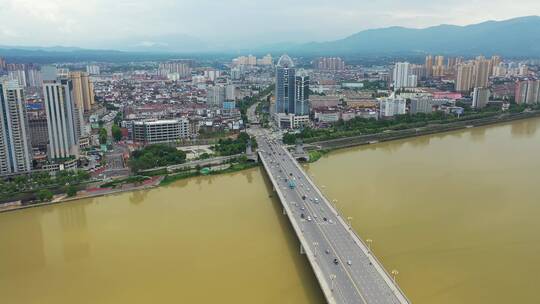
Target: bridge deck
[(345, 268)]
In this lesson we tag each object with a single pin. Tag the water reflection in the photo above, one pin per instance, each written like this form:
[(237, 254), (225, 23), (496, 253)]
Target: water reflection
[(75, 240), (138, 197), (526, 128), (22, 247), (478, 134)]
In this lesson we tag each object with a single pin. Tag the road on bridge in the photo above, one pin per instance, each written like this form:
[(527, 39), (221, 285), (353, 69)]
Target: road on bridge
[(344, 266)]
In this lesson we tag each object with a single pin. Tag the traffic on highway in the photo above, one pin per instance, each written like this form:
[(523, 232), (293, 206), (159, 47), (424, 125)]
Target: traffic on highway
[(353, 275)]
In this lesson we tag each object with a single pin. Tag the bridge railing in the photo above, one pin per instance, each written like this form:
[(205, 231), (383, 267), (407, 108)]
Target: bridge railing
[(391, 283)]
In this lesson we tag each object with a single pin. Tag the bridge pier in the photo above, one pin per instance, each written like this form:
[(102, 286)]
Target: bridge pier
[(302, 251)]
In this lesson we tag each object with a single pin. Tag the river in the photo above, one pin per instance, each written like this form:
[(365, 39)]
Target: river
[(456, 214)]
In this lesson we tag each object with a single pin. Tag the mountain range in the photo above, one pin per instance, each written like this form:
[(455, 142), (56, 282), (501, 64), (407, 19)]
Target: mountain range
[(518, 37)]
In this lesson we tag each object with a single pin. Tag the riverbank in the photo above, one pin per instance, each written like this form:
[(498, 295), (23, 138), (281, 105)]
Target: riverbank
[(348, 142), (150, 183), (319, 149)]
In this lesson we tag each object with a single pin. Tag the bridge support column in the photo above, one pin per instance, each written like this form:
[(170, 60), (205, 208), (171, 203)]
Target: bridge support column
[(302, 251)]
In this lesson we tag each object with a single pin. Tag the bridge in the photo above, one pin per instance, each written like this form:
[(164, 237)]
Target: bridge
[(345, 267)]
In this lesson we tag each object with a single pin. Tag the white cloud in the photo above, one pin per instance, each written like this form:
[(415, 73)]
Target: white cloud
[(95, 23)]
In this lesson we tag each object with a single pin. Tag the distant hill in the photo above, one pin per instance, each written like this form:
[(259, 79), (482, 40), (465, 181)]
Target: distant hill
[(518, 37), (513, 37)]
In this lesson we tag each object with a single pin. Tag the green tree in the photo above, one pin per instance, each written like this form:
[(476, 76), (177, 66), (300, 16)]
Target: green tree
[(71, 190), (116, 132), (103, 136), (44, 195)]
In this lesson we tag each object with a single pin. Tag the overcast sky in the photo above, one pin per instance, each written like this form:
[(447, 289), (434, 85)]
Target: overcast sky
[(99, 23)]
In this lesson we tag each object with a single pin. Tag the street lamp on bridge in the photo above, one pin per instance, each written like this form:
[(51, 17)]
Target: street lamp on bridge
[(332, 278), (394, 274), (349, 218), (369, 241)]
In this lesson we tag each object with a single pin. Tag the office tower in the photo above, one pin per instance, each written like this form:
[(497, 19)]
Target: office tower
[(528, 91), (216, 96), (402, 73), (285, 81), (39, 134), (480, 98), (392, 105), (78, 100), (92, 69), (301, 93), (429, 66), (61, 118), (15, 146), (464, 80), (481, 72)]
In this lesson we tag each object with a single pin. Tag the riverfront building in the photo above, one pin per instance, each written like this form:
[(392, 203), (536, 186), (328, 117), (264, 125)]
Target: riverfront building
[(15, 145), (61, 118), (160, 131)]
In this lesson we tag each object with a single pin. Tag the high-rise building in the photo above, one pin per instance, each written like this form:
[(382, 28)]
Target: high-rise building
[(464, 80), (266, 60), (402, 76), (329, 64), (285, 82), (39, 135), (480, 98), (19, 76), (61, 118), (429, 66), (419, 71), (216, 96), (301, 89), (392, 105), (182, 67), (528, 91), (481, 72), (439, 60), (92, 69), (15, 145), (3, 64)]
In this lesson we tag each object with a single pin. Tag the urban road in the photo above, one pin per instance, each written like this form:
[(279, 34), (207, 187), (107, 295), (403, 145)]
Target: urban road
[(345, 268)]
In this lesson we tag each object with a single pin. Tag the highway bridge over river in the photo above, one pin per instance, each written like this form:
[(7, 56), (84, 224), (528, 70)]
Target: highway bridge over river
[(346, 269)]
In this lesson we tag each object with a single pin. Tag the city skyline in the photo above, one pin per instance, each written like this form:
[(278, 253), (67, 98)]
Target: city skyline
[(205, 24)]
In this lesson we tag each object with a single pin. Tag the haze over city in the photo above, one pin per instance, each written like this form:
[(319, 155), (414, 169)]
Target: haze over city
[(306, 152), (233, 24)]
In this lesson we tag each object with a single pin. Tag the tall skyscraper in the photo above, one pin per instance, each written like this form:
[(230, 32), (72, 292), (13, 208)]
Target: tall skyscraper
[(481, 72), (464, 80), (301, 89), (528, 91), (216, 96), (480, 98), (61, 118), (403, 77), (429, 66), (285, 83), (83, 91), (15, 145)]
